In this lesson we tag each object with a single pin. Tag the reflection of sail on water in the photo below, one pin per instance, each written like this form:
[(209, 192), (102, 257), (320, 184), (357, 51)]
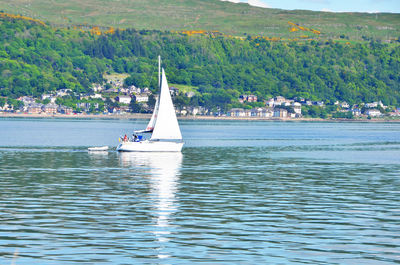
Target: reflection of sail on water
[(163, 188), (164, 169)]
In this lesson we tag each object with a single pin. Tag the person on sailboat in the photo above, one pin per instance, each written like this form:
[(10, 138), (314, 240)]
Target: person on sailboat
[(125, 138)]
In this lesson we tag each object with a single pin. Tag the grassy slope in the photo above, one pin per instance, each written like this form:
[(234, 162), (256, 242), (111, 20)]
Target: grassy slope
[(235, 19)]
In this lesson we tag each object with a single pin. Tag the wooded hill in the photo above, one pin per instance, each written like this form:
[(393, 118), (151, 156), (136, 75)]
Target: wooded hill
[(35, 58), (210, 15)]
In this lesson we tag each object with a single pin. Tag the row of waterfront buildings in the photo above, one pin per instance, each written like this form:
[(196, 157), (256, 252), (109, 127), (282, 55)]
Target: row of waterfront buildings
[(292, 108), (31, 106), (278, 107)]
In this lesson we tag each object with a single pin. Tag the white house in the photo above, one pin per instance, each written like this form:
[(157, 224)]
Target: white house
[(278, 101), (262, 112), (124, 99), (96, 96), (344, 105), (27, 100), (44, 96), (297, 108), (63, 92), (142, 98), (371, 105), (373, 112), (375, 104), (97, 88), (194, 110), (190, 94)]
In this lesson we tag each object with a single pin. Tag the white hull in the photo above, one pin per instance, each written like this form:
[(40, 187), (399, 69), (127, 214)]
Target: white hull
[(150, 146), (97, 149)]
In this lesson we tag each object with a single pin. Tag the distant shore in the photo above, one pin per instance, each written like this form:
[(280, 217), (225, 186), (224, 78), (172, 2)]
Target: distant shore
[(132, 116)]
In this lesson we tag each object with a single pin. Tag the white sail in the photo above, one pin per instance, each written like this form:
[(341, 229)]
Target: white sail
[(152, 122), (166, 125)]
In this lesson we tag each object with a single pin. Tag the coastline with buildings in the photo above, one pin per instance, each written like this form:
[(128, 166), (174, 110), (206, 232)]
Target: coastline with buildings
[(119, 107), (146, 116), (115, 99)]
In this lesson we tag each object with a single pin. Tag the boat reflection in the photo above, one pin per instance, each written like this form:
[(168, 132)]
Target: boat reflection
[(98, 158), (164, 169)]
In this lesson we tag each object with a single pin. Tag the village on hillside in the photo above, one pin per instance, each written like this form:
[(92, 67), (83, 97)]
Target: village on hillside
[(113, 98)]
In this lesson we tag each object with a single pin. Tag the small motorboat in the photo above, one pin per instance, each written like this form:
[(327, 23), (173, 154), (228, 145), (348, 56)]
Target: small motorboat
[(98, 148)]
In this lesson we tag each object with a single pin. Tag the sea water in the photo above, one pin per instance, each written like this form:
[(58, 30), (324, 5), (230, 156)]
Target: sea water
[(241, 192)]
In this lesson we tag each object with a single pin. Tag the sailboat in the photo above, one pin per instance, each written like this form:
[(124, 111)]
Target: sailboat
[(164, 128)]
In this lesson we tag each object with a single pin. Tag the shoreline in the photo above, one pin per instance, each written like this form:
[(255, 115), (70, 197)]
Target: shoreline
[(211, 118)]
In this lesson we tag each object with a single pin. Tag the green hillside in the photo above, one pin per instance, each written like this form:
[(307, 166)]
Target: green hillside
[(229, 18), (37, 59)]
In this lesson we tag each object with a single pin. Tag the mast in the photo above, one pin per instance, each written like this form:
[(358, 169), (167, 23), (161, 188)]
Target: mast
[(152, 122), (159, 71)]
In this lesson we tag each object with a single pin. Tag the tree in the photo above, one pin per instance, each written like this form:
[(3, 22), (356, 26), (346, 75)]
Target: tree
[(2, 102), (152, 101), (343, 115), (181, 100), (138, 80), (15, 103), (134, 106)]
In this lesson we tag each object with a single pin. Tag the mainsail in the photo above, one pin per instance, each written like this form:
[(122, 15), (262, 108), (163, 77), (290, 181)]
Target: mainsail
[(166, 124)]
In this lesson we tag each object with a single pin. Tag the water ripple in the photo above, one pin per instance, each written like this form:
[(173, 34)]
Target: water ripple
[(315, 201)]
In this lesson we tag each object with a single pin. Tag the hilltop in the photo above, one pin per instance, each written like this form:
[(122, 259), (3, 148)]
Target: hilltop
[(210, 15)]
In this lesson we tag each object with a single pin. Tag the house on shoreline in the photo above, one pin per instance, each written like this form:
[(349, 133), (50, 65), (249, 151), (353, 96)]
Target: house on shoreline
[(256, 112), (373, 113)]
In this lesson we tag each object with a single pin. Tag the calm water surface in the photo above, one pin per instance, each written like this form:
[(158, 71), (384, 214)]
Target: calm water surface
[(240, 193)]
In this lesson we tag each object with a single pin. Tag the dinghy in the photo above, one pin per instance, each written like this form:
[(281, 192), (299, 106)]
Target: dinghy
[(98, 148)]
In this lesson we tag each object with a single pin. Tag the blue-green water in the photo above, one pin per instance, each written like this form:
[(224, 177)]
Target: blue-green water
[(240, 193)]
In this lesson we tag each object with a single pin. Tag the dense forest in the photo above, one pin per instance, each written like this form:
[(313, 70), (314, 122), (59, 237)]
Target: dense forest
[(36, 58)]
